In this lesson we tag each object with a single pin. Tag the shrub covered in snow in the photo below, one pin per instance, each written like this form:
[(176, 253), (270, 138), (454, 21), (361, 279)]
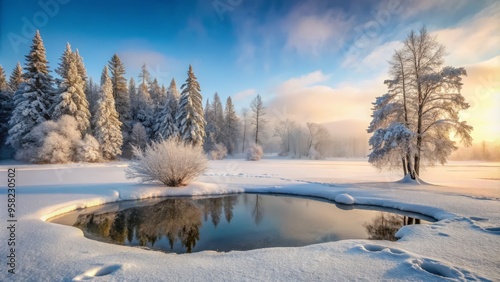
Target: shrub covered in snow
[(254, 153), (171, 162), (218, 152), (51, 142), (88, 150)]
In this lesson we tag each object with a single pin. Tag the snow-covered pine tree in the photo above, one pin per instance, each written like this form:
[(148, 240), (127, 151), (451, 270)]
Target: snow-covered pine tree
[(143, 107), (120, 91), (107, 125), (5, 107), (67, 56), (156, 94), (231, 126), (190, 120), (71, 99), (16, 77), (132, 93), (34, 96), (218, 119), (209, 142), (414, 121), (165, 126), (80, 66), (92, 94)]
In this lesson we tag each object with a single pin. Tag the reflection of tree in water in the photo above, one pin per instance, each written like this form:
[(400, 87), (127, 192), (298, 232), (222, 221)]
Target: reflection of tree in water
[(229, 203), (257, 212), (385, 226), (172, 219)]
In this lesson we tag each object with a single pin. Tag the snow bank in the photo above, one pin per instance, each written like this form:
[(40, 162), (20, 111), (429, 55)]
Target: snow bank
[(463, 245)]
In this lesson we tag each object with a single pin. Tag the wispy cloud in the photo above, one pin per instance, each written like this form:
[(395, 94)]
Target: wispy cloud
[(244, 95), (312, 30)]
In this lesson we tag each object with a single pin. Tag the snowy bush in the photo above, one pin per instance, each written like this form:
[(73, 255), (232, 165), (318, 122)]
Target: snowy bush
[(254, 153), (88, 150), (315, 154), (171, 162), (218, 152), (51, 142), (55, 149)]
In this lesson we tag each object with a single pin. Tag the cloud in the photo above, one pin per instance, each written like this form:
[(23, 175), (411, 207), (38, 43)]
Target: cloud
[(159, 65), (245, 94), (312, 30), (377, 59), (481, 90), (307, 98), (474, 39)]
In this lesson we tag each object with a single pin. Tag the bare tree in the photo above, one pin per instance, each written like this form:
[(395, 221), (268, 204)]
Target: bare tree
[(284, 129), (244, 116), (258, 113), (318, 137)]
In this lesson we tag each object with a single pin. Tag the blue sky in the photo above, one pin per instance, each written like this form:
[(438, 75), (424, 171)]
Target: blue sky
[(242, 47)]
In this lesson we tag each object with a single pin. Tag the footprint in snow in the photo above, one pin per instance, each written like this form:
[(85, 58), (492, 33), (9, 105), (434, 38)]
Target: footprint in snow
[(97, 272), (440, 269), (378, 248)]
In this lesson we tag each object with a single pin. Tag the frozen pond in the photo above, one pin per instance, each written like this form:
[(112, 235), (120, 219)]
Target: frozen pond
[(234, 222)]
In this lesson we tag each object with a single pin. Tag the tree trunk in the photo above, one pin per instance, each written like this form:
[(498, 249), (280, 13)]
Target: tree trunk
[(405, 172)]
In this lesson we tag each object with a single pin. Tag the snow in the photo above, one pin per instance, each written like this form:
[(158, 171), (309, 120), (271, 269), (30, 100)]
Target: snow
[(344, 198), (463, 245)]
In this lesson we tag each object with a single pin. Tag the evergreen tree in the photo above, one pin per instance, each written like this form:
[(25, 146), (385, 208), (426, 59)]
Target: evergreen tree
[(210, 129), (132, 93), (155, 93), (16, 77), (165, 126), (143, 105), (92, 94), (218, 119), (190, 120), (34, 97), (120, 92), (72, 100), (80, 66), (67, 56), (231, 126), (106, 121), (5, 107)]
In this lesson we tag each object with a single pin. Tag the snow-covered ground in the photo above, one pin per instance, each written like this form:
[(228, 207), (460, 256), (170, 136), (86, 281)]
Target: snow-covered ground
[(463, 245)]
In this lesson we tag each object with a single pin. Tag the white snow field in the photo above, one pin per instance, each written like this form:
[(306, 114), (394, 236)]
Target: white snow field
[(463, 245)]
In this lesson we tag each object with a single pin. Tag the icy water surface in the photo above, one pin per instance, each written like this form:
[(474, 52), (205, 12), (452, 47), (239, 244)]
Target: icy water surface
[(234, 222)]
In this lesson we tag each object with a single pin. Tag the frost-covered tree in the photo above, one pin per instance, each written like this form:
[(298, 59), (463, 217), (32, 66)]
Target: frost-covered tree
[(258, 113), (245, 122), (165, 126), (34, 97), (283, 130), (120, 91), (5, 107), (231, 126), (107, 125), (88, 150), (218, 118), (209, 116), (190, 118), (317, 140), (132, 93), (71, 99), (92, 94), (16, 77), (413, 122), (143, 104), (156, 93), (80, 66), (139, 136)]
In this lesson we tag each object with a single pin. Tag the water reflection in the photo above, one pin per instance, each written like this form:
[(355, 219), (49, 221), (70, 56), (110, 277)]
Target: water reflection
[(236, 222), (385, 226)]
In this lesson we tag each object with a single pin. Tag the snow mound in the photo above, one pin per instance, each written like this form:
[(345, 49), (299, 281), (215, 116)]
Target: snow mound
[(344, 198), (408, 180)]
